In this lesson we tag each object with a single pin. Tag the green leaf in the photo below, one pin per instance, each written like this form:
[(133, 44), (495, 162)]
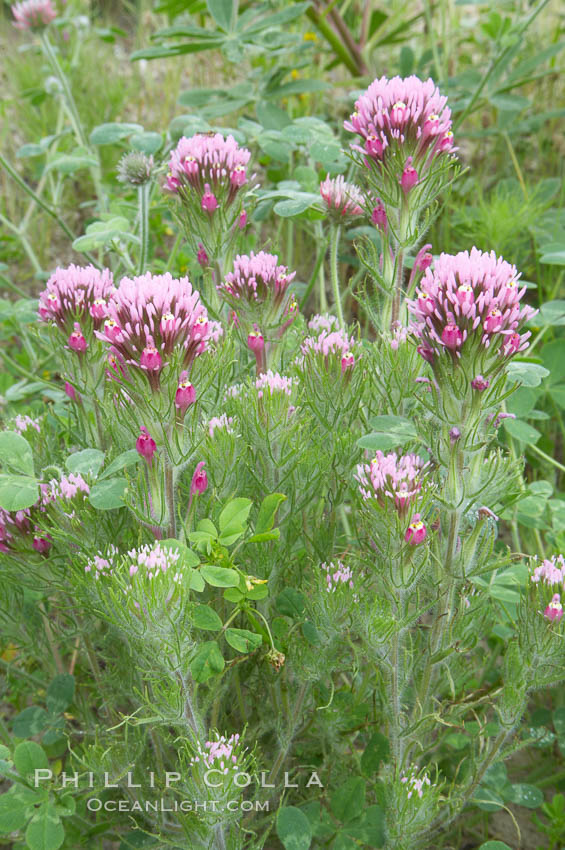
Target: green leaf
[(243, 640), (29, 756), (207, 662), (526, 795), (30, 722), (369, 828), (265, 536), (389, 432), (521, 431), (69, 163), (529, 374), (310, 632), (147, 142), (219, 576), (18, 492), (60, 693), (235, 513), (494, 845), (376, 751), (187, 556), (108, 134), (122, 461), (15, 810), (222, 12), (15, 452), (86, 462), (206, 618), (267, 512), (196, 582), (45, 831), (293, 828), (109, 494), (553, 258), (29, 150), (295, 206), (348, 801), (291, 602)]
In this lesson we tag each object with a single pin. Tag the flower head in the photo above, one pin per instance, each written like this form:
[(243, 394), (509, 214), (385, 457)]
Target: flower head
[(210, 166), (258, 291), (554, 610), (402, 113), (337, 575), (470, 299), (185, 394), (331, 347), (135, 168), (24, 423), (33, 14), (152, 316), (275, 383), (550, 572), (223, 754), (343, 200), (222, 422), (199, 481), (391, 478), (77, 294)]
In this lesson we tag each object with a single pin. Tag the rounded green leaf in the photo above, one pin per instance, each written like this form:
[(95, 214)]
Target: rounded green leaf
[(29, 756), (86, 462), (235, 514), (15, 452), (45, 830), (18, 492), (30, 722), (108, 494), (494, 845), (291, 602), (293, 828), (243, 640), (348, 801), (206, 618), (526, 795), (148, 143), (207, 662), (219, 576), (129, 458), (107, 134), (14, 812)]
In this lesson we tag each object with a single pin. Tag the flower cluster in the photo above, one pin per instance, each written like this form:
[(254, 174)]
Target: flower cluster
[(151, 316), (330, 346), (416, 784), (258, 292), (33, 14), (76, 299), (149, 561), (326, 322), (470, 303), (23, 423), (343, 201), (402, 113), (65, 489), (223, 754), (390, 478), (551, 571), (337, 575), (211, 166), (275, 383), (222, 422)]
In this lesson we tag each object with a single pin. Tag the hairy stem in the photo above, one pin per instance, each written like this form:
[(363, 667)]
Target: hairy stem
[(143, 201), (334, 242)]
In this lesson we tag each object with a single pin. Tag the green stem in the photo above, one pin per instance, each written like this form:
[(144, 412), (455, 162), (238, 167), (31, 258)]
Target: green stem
[(143, 193), (297, 717), (334, 242)]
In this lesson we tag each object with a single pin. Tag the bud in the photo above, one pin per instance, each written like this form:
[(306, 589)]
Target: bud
[(238, 177), (41, 545), (347, 361), (479, 383), (378, 216), (409, 176), (150, 359), (255, 342), (452, 337), (202, 256), (135, 168), (70, 391), (185, 394), (416, 532), (209, 200), (454, 435), (242, 220), (76, 340), (146, 445), (199, 481), (554, 610)]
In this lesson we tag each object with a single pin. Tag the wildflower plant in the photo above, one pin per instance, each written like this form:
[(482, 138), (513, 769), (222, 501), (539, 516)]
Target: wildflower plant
[(285, 535)]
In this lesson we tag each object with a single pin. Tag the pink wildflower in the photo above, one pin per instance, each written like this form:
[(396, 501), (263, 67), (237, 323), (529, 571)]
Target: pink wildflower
[(343, 200), (331, 347), (391, 478), (208, 161), (152, 316), (554, 610), (209, 201), (199, 481), (409, 177), (480, 384), (274, 382), (337, 575), (33, 14), (76, 294), (416, 532), (223, 754), (202, 256), (378, 216), (23, 423), (407, 113), (185, 394), (222, 422), (551, 571), (76, 340), (470, 299)]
